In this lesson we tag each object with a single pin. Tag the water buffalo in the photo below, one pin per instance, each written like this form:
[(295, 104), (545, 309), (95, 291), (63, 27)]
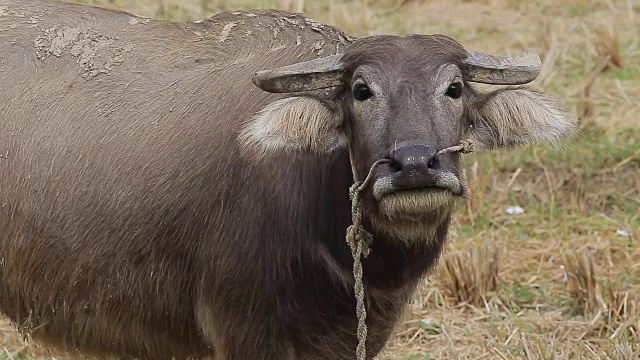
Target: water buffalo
[(180, 189)]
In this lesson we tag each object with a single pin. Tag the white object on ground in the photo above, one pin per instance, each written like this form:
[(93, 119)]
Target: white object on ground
[(515, 210)]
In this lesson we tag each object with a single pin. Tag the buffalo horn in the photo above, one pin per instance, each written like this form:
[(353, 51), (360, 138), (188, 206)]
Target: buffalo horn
[(501, 70), (305, 76)]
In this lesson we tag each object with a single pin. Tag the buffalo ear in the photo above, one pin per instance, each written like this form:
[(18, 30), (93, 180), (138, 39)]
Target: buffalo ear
[(519, 116), (294, 123)]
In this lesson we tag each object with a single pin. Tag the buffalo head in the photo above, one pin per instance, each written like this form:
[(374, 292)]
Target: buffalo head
[(404, 99)]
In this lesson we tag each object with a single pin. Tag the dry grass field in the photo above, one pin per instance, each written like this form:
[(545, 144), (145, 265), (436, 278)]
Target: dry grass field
[(562, 279)]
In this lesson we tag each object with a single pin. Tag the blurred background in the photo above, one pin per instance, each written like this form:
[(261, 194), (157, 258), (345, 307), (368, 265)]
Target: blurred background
[(544, 260)]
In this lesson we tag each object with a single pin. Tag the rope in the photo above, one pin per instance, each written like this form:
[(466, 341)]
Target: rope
[(360, 239), (465, 147)]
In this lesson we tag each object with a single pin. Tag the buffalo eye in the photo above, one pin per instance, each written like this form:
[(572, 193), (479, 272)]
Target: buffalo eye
[(455, 90), (361, 91)]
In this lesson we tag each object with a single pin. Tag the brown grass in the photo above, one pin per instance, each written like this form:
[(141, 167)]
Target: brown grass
[(556, 282), (586, 296), (608, 47), (469, 277)]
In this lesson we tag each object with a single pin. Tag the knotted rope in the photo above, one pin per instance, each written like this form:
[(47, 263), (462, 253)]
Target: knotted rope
[(360, 239), (465, 147)]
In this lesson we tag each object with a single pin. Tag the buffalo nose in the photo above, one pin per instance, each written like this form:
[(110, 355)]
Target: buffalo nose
[(414, 157)]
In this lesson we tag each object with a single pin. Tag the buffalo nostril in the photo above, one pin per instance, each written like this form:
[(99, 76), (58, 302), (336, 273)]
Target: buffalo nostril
[(394, 166), (433, 163)]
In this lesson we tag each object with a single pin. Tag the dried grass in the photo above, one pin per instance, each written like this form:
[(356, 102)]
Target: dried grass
[(469, 277), (607, 56), (607, 46), (584, 289)]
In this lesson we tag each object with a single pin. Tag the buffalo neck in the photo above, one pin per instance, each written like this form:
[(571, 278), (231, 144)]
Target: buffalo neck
[(317, 197)]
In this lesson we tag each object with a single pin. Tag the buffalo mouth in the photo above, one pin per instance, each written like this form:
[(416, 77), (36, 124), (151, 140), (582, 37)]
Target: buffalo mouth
[(417, 196), (427, 183)]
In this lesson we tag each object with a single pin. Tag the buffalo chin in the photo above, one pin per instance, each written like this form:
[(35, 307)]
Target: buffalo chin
[(415, 205), (415, 215)]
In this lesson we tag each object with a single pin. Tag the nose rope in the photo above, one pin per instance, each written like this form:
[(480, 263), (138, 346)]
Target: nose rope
[(360, 239), (466, 146)]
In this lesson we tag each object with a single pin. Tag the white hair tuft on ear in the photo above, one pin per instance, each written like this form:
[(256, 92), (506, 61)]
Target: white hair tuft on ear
[(293, 123), (520, 116)]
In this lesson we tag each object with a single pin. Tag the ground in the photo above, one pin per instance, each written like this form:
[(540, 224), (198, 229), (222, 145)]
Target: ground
[(560, 280)]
